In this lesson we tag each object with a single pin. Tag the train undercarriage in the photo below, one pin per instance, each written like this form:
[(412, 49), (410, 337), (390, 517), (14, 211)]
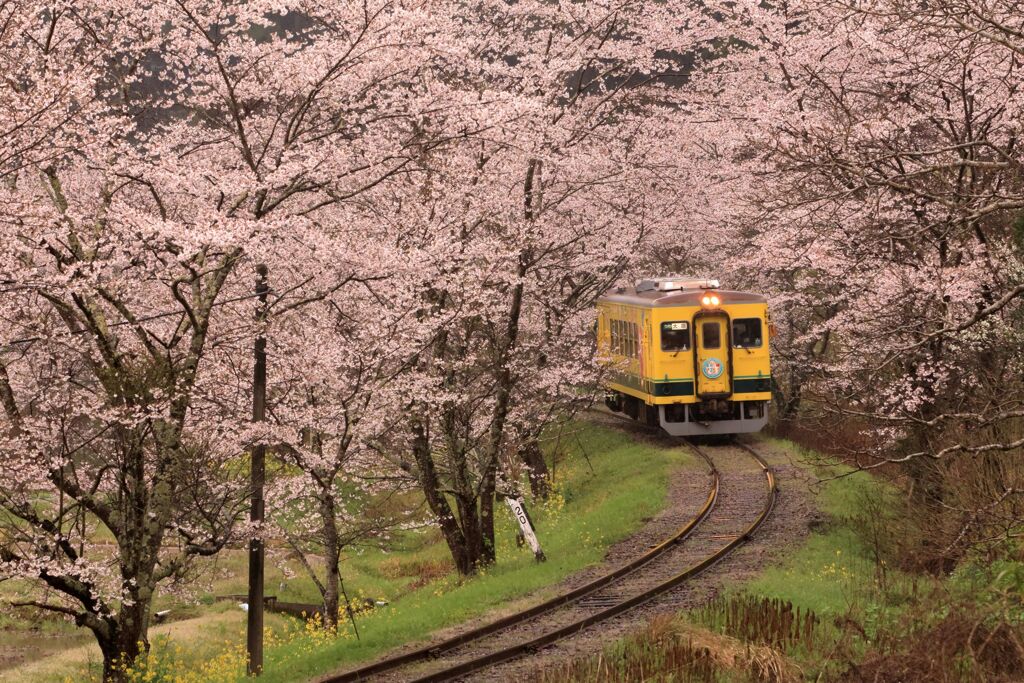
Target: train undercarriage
[(710, 417)]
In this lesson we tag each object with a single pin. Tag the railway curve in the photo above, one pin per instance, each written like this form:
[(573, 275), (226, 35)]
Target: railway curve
[(436, 650), (732, 512)]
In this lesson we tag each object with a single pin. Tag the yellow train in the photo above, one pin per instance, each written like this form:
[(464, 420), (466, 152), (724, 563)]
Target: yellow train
[(686, 355)]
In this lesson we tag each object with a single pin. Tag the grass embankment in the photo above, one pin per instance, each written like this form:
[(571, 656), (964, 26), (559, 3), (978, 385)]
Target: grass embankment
[(607, 484), (788, 622), (851, 603)]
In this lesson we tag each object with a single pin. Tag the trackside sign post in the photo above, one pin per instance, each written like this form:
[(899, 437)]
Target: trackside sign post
[(518, 509)]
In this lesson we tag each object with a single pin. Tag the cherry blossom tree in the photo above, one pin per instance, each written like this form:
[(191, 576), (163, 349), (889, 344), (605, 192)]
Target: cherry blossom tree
[(438, 190), (151, 157), (516, 231), (336, 487), (879, 144)]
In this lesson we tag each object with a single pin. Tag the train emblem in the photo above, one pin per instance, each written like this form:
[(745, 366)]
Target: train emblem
[(712, 368)]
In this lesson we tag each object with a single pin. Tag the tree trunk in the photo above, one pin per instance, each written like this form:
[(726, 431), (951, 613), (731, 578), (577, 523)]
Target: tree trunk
[(140, 542), (927, 488), (332, 555), (788, 401), (471, 526), (540, 475), (460, 553), (332, 600), (488, 550), (505, 382), (128, 638), (458, 544)]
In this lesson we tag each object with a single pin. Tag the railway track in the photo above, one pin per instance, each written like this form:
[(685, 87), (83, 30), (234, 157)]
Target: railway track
[(730, 514)]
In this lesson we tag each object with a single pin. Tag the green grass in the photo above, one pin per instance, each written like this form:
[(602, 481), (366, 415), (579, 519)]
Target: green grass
[(600, 500), (834, 573), (834, 567), (830, 573), (606, 485), (831, 604), (868, 609)]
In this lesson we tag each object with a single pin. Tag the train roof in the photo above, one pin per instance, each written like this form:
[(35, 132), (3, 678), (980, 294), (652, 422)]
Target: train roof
[(667, 292)]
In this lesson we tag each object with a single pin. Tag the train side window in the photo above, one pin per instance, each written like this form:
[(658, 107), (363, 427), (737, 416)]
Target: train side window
[(616, 341), (746, 333), (675, 336), (635, 336), (711, 335)]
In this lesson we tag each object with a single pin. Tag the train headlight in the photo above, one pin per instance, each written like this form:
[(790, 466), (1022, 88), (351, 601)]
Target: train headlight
[(706, 300), (710, 301), (714, 300)]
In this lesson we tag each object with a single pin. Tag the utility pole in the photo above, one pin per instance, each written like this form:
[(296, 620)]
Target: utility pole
[(254, 625)]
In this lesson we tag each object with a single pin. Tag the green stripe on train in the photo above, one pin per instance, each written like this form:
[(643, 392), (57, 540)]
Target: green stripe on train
[(661, 387), (749, 386)]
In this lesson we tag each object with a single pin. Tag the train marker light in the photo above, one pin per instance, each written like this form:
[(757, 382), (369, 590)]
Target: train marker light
[(710, 300)]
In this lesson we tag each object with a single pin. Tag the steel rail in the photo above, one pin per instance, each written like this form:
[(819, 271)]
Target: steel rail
[(514, 651), (435, 650)]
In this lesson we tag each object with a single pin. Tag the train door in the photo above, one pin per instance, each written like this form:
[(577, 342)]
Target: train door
[(714, 375)]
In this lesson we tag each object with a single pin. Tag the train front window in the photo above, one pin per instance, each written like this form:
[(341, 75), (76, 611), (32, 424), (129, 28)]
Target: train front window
[(711, 335), (675, 336), (746, 333)]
